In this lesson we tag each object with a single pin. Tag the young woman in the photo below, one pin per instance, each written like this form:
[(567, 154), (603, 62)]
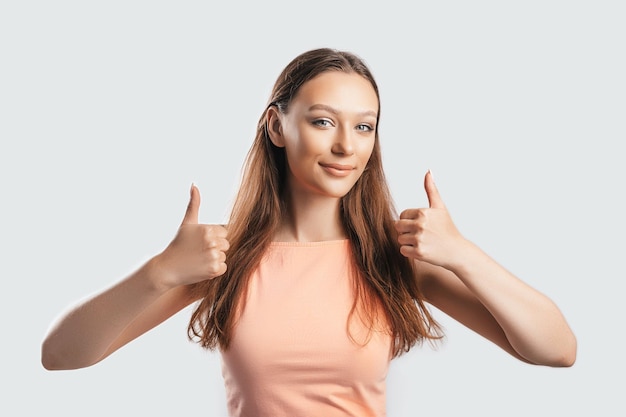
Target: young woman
[(316, 284)]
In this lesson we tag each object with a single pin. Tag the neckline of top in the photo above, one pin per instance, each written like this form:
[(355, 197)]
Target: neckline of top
[(310, 244)]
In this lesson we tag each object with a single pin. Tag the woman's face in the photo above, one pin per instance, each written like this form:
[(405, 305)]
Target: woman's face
[(329, 133)]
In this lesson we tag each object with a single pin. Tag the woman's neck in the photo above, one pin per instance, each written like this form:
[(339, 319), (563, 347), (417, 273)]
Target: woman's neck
[(311, 218)]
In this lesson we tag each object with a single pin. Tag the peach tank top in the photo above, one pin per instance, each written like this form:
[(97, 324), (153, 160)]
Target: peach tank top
[(291, 354)]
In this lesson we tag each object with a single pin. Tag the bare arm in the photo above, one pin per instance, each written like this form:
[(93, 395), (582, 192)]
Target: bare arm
[(101, 324), (488, 299), (464, 282), (98, 326)]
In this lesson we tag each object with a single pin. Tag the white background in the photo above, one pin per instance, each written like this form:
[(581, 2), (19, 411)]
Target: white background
[(109, 110)]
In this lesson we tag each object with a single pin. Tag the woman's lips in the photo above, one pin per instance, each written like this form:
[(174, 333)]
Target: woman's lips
[(337, 170)]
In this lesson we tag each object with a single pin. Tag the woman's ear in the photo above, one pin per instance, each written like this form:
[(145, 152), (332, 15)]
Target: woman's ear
[(274, 127)]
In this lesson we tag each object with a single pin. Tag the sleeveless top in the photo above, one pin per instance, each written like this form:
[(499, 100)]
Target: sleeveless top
[(291, 353)]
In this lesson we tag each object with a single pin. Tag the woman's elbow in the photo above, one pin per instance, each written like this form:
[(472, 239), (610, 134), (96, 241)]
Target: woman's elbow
[(49, 360), (54, 359), (563, 356), (568, 356)]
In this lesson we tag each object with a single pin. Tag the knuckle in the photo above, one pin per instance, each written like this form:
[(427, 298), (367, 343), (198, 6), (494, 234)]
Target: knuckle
[(212, 256), (217, 269), (210, 241)]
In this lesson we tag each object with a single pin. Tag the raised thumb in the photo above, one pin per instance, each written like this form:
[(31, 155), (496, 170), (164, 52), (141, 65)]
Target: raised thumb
[(434, 199), (191, 215)]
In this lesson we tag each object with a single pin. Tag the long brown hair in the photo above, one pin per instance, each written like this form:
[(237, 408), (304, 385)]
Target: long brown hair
[(387, 278)]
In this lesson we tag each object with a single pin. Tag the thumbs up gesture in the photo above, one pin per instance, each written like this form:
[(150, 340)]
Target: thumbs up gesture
[(428, 234), (197, 252)]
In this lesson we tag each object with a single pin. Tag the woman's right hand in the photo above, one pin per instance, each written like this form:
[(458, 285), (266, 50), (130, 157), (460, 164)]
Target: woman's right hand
[(99, 325), (197, 252)]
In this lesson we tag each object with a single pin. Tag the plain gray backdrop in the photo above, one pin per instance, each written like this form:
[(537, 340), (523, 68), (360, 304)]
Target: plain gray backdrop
[(110, 110)]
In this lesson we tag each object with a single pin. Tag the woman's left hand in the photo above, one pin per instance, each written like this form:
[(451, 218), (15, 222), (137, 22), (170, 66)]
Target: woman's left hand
[(428, 234)]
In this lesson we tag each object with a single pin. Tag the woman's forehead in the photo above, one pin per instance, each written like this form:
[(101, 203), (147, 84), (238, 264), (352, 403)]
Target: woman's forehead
[(338, 90)]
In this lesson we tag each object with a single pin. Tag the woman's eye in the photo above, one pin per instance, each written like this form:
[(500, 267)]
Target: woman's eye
[(322, 122), (364, 128)]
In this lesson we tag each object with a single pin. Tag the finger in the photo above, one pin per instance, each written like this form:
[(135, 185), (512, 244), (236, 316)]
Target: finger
[(191, 215), (220, 243), (214, 271), (408, 239), (224, 245), (411, 214), (216, 256), (406, 251), (434, 199), (219, 230), (405, 226), (223, 269)]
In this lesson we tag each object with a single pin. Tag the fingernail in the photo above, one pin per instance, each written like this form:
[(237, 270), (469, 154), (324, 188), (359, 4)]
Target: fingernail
[(431, 174)]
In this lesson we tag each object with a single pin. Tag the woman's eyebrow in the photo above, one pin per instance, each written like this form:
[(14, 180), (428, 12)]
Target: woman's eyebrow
[(334, 111)]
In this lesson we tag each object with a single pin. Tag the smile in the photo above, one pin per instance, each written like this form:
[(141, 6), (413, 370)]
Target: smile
[(337, 170)]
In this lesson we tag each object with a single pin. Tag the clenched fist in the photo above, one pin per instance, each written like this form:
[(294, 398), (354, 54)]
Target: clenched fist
[(197, 252), (428, 234)]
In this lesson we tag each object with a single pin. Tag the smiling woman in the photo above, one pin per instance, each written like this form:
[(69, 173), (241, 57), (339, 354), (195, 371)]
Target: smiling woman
[(316, 283), (328, 136)]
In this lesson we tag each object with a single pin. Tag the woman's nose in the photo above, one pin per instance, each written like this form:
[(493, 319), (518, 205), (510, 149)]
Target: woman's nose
[(344, 142)]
